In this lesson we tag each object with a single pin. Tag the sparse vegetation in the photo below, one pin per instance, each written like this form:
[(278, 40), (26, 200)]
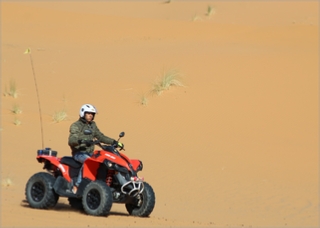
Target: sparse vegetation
[(16, 121), (16, 109), (143, 99), (12, 90), (210, 11), (168, 79), (196, 18), (6, 182), (59, 116)]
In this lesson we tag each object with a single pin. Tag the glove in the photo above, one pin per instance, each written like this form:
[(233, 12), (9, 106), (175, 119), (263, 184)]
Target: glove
[(86, 142), (117, 144), (121, 145)]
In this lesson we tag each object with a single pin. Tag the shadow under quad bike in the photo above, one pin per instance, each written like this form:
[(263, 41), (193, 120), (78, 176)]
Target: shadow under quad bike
[(108, 177)]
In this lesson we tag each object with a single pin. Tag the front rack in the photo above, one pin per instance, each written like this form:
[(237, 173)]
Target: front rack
[(137, 188)]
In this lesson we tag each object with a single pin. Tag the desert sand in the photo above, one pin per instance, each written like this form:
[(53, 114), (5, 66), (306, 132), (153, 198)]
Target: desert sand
[(236, 146)]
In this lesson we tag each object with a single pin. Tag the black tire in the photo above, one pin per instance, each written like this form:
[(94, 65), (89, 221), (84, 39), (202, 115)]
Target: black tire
[(148, 202), (97, 198), (75, 203), (39, 191)]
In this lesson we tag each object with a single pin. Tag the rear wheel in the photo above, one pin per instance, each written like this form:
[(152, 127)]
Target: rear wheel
[(97, 198), (39, 191), (144, 206)]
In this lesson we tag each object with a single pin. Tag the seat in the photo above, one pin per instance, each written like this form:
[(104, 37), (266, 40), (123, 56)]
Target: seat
[(68, 160)]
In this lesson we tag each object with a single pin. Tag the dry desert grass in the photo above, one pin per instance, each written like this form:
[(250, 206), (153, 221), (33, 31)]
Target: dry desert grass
[(169, 78), (12, 89), (16, 109), (59, 116), (6, 182)]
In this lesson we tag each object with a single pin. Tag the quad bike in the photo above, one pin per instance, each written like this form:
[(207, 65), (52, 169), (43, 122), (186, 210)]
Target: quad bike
[(108, 177)]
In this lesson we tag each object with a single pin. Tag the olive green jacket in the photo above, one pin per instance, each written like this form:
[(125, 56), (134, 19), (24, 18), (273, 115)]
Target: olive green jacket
[(77, 134)]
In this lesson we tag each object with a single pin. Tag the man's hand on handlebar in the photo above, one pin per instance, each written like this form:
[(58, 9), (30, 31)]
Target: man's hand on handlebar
[(117, 144)]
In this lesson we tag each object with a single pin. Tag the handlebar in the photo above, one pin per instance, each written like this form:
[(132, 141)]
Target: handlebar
[(111, 148)]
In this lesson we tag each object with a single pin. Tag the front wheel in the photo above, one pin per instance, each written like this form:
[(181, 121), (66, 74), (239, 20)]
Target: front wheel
[(144, 206), (39, 191), (97, 198)]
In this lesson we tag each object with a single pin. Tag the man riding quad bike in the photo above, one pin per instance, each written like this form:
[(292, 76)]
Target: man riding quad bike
[(108, 176)]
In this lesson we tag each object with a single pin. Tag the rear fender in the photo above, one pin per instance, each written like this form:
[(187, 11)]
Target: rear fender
[(56, 162)]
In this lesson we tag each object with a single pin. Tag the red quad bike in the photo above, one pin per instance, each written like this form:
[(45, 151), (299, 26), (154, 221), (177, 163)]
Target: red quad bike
[(108, 177)]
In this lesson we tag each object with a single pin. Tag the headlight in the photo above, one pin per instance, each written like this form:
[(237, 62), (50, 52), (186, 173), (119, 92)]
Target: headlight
[(108, 163)]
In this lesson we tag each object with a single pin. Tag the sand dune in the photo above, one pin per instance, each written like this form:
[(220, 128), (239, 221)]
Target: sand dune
[(236, 146)]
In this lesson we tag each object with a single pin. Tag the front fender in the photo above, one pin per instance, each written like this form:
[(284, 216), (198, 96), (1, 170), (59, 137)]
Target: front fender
[(90, 169), (136, 164)]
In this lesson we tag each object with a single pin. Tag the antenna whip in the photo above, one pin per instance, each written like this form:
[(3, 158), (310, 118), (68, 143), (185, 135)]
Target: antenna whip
[(28, 51)]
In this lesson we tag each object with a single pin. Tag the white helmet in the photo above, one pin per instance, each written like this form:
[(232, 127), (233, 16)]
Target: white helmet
[(87, 108)]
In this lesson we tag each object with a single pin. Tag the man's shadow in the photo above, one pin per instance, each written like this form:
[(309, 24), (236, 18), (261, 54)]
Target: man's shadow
[(66, 207)]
